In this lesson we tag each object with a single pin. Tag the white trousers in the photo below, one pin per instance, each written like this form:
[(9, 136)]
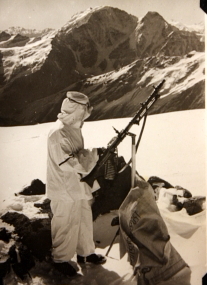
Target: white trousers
[(72, 229)]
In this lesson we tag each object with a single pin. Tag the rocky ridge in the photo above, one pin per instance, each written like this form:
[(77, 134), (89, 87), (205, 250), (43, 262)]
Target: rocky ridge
[(26, 32)]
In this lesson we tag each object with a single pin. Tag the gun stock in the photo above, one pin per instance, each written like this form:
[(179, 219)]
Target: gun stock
[(91, 177)]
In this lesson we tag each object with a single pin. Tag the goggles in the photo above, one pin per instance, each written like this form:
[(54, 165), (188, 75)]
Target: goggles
[(84, 104)]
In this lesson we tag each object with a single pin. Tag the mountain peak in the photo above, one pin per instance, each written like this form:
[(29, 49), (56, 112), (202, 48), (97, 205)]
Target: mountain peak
[(100, 37), (152, 16), (101, 13)]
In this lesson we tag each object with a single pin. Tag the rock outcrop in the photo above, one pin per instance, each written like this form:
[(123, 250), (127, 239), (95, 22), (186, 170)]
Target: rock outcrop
[(15, 41), (4, 36)]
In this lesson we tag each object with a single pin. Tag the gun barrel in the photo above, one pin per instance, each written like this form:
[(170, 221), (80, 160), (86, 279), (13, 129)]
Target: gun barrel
[(146, 105)]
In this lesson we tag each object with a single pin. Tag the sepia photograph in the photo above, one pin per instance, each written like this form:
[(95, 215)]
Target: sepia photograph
[(102, 142)]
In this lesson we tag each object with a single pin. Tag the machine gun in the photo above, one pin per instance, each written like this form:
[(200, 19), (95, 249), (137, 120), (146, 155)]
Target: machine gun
[(109, 151)]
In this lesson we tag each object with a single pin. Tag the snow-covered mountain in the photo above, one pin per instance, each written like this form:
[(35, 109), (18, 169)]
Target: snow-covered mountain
[(27, 32), (108, 54), (157, 37), (198, 28)]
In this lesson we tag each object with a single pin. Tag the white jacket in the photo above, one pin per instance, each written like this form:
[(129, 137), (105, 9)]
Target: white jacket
[(68, 161)]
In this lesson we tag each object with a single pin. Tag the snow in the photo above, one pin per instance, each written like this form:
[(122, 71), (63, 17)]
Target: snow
[(30, 55), (109, 76), (190, 68), (79, 19), (199, 28), (172, 147)]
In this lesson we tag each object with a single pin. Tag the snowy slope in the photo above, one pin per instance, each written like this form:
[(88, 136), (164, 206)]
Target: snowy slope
[(197, 28), (118, 94), (172, 147), (162, 151), (33, 55)]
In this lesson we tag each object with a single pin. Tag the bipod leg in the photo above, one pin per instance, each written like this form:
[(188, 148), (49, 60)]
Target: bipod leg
[(133, 174), (117, 233)]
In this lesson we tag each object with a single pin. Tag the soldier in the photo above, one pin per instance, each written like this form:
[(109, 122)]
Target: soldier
[(67, 163)]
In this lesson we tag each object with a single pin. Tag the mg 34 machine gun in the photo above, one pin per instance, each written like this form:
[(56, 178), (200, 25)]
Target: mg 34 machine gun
[(109, 151)]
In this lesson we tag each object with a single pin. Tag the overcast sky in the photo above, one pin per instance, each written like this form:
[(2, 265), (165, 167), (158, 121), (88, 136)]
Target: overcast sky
[(42, 14)]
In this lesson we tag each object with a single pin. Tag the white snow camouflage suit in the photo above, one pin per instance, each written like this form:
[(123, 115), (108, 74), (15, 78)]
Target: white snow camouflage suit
[(67, 162)]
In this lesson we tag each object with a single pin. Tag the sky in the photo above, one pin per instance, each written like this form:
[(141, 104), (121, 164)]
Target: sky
[(41, 14)]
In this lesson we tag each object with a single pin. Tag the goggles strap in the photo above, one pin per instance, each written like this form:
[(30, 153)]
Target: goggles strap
[(84, 104)]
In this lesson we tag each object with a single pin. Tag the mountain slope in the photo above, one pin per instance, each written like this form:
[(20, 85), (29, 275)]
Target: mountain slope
[(157, 37), (118, 94), (98, 43)]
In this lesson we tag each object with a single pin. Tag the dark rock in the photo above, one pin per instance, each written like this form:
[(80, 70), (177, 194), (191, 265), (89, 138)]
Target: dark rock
[(2, 75), (21, 261), (186, 193), (194, 205), (34, 233), (4, 36), (37, 187), (154, 181), (18, 41), (26, 257), (39, 240), (44, 206), (20, 271), (5, 235), (4, 266), (177, 203), (19, 221)]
